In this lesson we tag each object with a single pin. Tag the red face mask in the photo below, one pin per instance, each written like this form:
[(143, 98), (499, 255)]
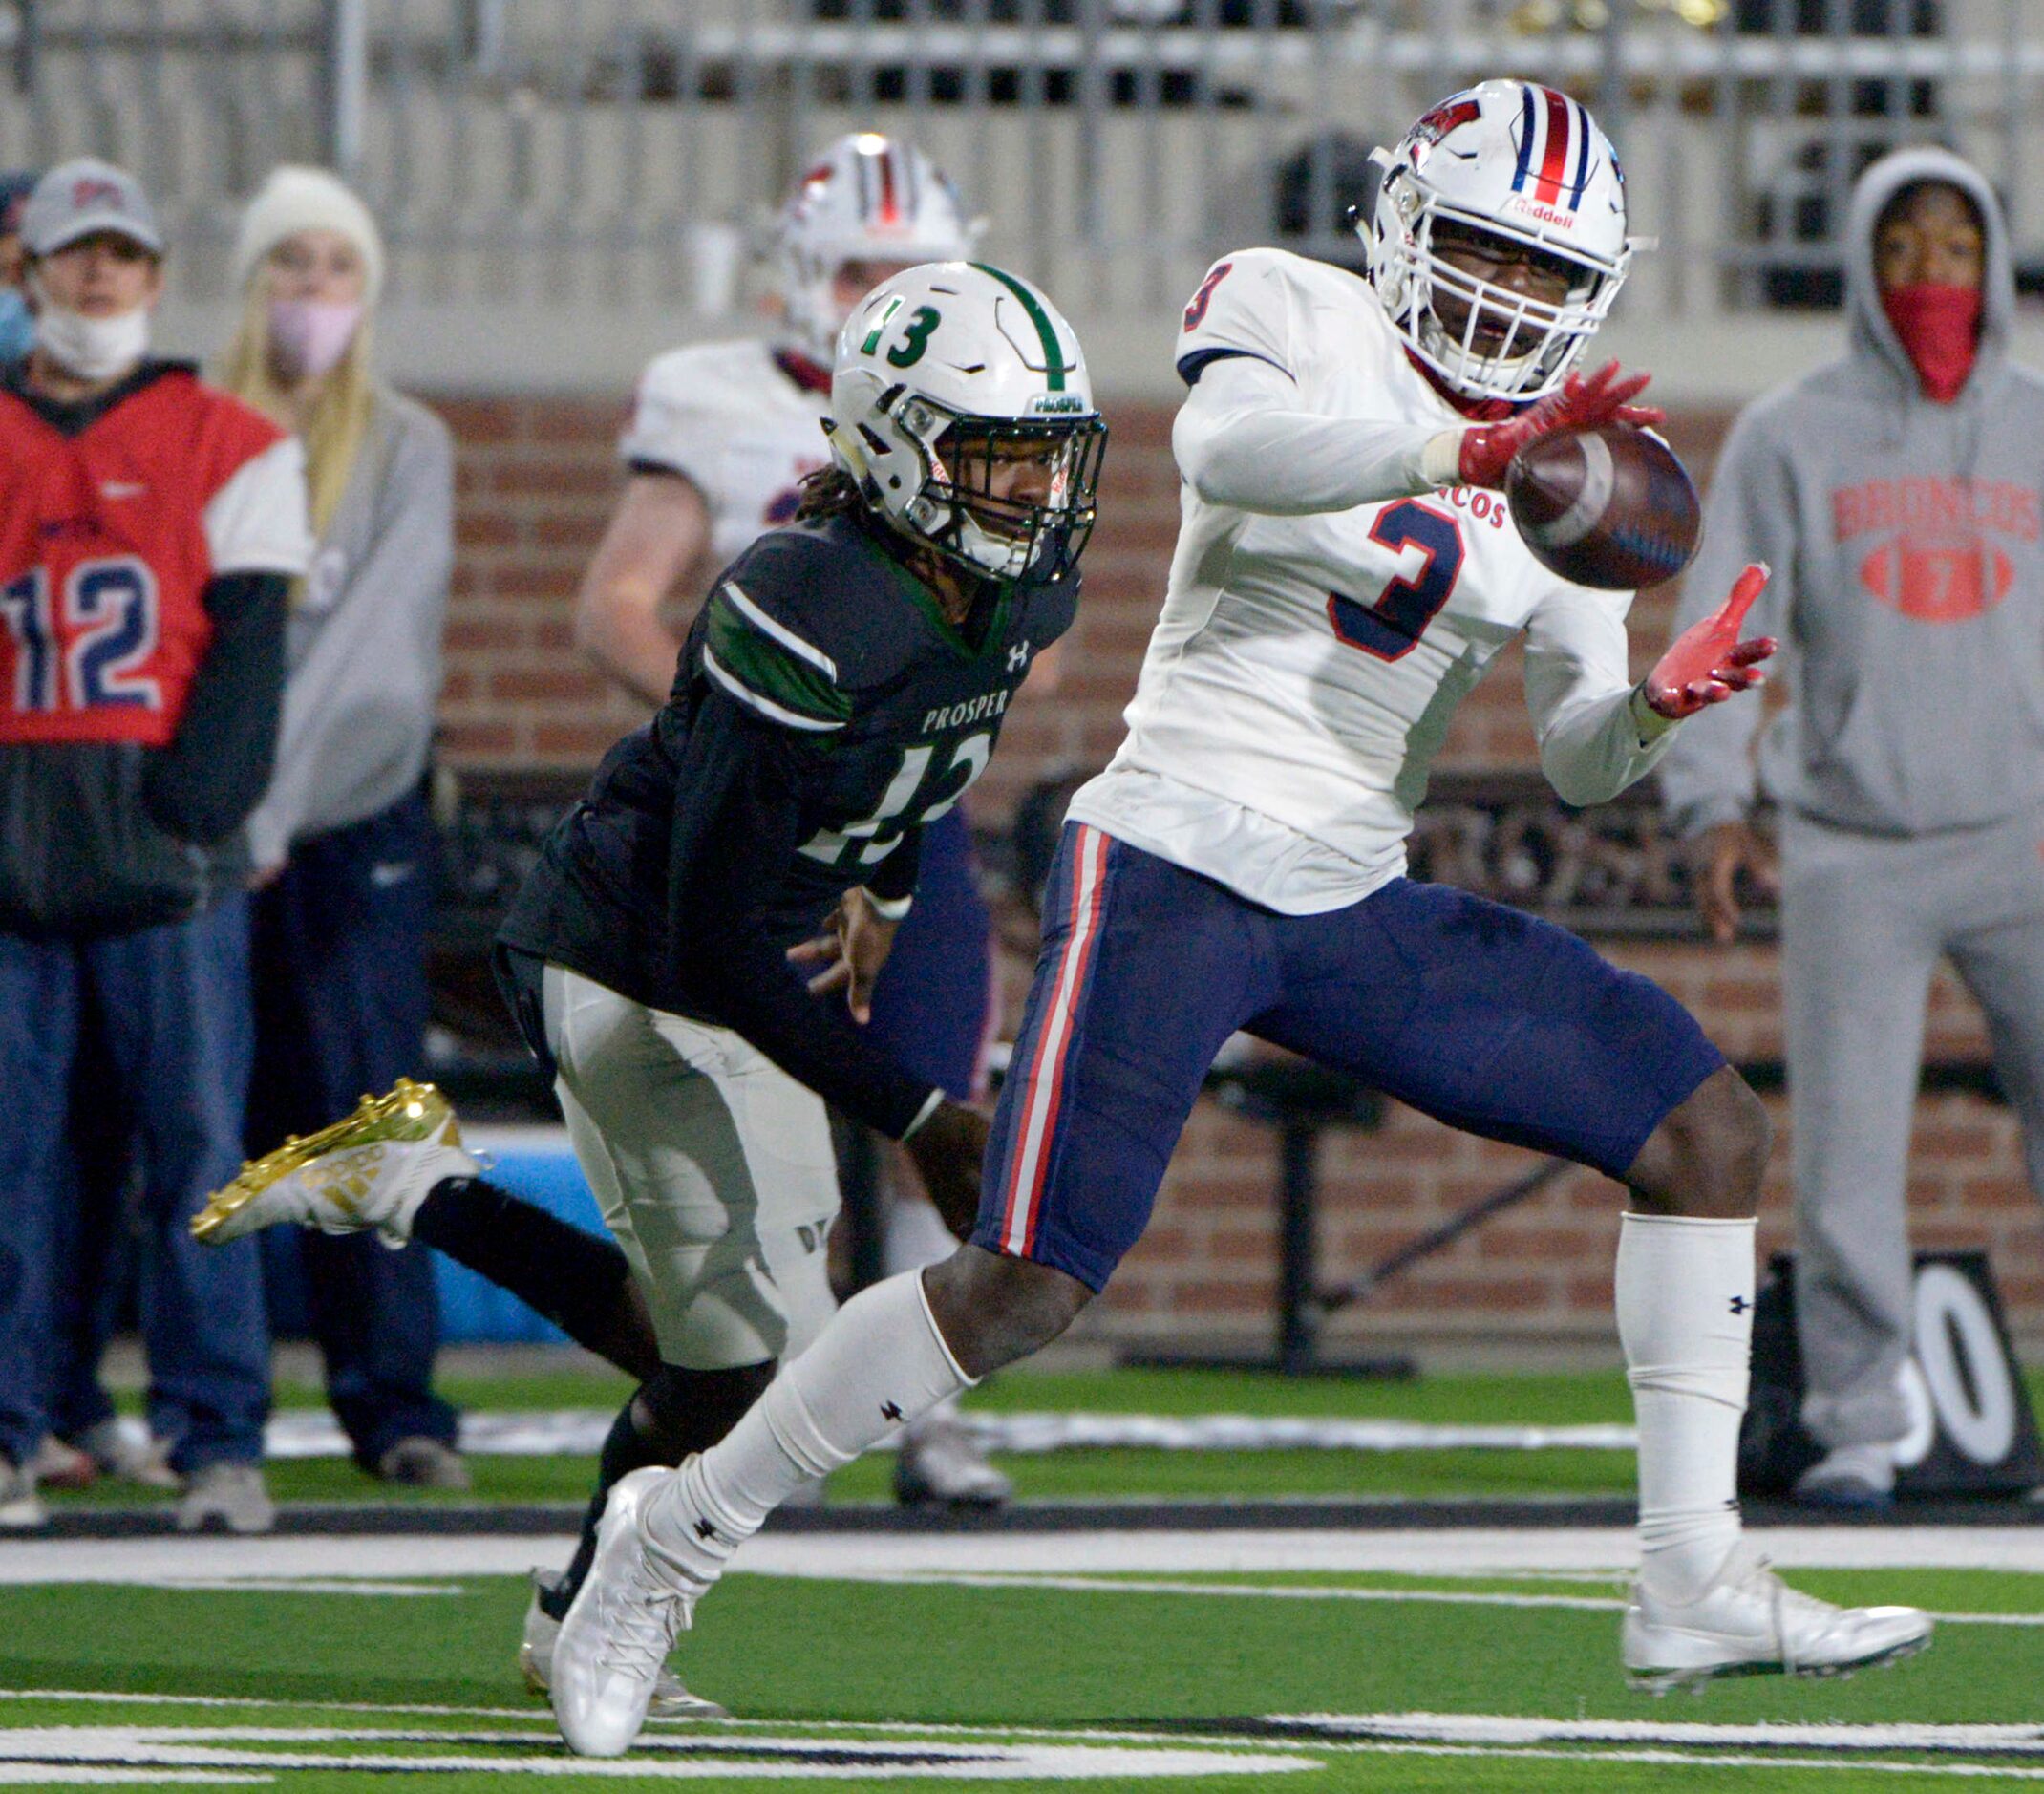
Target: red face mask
[(1940, 328)]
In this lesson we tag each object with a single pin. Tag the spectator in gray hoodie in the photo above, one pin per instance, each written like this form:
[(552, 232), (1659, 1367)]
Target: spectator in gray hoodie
[(343, 841), (1899, 495)]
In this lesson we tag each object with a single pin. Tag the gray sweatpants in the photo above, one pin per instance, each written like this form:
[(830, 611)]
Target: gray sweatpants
[(1864, 919)]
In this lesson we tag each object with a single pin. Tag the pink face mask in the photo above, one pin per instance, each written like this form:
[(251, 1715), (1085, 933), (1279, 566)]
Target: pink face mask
[(310, 335)]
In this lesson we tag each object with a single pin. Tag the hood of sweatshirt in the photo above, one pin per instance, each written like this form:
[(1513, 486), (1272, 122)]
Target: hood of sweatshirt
[(1873, 337)]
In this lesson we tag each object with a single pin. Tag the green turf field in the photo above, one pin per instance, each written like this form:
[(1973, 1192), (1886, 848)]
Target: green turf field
[(836, 1677), (942, 1674)]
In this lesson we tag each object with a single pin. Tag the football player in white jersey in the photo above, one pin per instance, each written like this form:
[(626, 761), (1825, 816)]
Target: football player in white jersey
[(722, 434), (1344, 570)]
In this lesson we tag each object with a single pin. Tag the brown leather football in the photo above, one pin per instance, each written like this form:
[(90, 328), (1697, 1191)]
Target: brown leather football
[(1611, 508)]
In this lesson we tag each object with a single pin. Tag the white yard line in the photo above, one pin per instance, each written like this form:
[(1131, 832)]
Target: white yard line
[(551, 1432), (1421, 1551), (178, 1754), (1511, 1729), (75, 1775), (1587, 1761), (48, 1753)]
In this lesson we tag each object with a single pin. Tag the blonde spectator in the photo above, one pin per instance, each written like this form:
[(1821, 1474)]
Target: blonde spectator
[(342, 843)]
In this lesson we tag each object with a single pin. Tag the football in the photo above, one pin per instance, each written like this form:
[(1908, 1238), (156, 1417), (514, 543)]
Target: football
[(1610, 508)]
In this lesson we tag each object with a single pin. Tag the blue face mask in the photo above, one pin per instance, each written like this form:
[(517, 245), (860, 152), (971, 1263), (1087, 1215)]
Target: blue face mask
[(18, 328)]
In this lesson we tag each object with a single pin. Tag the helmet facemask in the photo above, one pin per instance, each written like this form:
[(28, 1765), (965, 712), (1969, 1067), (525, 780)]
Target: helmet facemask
[(1505, 345), (959, 513)]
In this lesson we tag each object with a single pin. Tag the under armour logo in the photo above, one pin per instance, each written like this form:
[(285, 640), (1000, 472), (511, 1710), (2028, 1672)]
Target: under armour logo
[(889, 1411), (1018, 657), (1739, 1304), (705, 1531)]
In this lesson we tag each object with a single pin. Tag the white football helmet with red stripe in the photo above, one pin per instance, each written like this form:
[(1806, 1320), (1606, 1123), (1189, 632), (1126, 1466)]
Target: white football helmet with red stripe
[(1511, 160), (866, 198)]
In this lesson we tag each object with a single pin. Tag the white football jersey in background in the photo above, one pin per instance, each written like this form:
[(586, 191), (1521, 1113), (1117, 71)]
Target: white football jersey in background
[(738, 425), (1304, 670)]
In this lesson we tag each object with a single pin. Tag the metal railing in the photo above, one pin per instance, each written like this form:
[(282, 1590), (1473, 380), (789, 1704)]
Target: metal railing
[(615, 155)]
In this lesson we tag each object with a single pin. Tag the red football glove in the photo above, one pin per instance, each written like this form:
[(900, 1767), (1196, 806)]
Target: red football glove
[(1584, 402), (1707, 662)]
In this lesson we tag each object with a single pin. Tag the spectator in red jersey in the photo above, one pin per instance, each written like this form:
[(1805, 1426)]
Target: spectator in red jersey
[(343, 841), (149, 530)]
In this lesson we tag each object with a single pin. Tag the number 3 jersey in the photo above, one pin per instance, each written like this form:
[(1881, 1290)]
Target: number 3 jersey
[(825, 710), (1305, 668), (114, 519)]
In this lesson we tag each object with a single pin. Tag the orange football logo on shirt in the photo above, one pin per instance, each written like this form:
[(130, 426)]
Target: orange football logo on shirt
[(1938, 578)]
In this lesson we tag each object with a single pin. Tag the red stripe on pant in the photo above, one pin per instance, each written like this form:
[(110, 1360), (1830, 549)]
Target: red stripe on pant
[(1045, 1090)]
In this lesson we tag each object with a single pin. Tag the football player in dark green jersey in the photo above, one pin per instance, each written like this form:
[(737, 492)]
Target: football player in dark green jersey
[(694, 952)]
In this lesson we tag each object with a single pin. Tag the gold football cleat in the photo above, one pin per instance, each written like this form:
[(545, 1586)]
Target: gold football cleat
[(332, 1172)]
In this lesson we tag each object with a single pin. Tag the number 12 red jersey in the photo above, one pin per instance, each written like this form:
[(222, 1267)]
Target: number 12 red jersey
[(109, 535)]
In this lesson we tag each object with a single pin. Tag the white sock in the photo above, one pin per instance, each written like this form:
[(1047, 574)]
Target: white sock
[(1685, 1318), (879, 1365)]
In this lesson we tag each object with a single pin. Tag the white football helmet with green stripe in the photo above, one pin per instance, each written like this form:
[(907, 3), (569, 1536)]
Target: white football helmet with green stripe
[(947, 377)]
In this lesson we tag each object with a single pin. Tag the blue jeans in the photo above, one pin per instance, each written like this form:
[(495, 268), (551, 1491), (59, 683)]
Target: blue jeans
[(341, 1008), (172, 1005)]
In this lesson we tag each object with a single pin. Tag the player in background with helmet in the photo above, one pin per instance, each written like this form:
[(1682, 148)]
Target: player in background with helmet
[(720, 437), (1900, 489), (149, 528), (1344, 573), (695, 951)]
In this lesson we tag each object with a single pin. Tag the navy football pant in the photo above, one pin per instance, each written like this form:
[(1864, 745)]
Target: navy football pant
[(1477, 1014), (341, 1010), (933, 1002)]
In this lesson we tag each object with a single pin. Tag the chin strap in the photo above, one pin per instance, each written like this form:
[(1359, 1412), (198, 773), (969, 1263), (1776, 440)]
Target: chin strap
[(1476, 410)]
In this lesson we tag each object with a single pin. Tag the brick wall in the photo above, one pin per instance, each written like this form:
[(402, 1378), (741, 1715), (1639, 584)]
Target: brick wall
[(536, 479)]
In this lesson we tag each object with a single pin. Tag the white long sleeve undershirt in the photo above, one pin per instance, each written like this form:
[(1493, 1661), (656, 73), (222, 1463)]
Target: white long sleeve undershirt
[(1243, 439)]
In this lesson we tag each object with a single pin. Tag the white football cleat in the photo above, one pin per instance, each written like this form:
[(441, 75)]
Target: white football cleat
[(614, 1642), (536, 1662), (942, 1464), (1748, 1622), (369, 1170)]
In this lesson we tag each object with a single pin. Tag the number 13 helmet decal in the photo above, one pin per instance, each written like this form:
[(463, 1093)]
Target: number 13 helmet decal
[(1505, 160), (945, 377)]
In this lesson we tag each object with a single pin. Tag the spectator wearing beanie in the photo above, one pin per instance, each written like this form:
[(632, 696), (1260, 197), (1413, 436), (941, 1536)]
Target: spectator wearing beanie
[(343, 843)]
